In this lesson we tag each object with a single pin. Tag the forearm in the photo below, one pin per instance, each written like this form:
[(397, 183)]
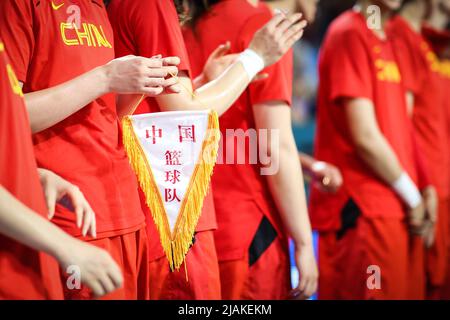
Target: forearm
[(222, 92), (20, 223), (378, 155), (50, 106), (218, 94), (127, 104), (287, 188)]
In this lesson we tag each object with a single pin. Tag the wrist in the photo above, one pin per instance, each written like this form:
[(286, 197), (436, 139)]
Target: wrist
[(252, 62), (301, 244), (102, 77), (407, 190), (59, 247)]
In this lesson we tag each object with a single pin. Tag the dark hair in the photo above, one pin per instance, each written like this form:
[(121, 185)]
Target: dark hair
[(190, 11)]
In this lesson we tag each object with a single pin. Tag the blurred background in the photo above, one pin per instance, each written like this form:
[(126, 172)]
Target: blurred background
[(305, 73)]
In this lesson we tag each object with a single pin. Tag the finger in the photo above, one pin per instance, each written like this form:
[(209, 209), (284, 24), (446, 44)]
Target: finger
[(289, 22), (220, 51), (79, 215), (171, 61), (106, 282), (158, 56), (302, 284), (309, 291), (260, 76), (292, 40), (152, 91), (96, 287), (157, 72), (295, 29), (51, 203), (86, 222), (94, 227), (115, 275), (276, 19), (170, 82), (152, 62), (171, 70), (173, 89)]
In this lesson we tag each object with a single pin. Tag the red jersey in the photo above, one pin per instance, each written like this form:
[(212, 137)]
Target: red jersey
[(148, 28), (241, 195), (355, 63), (52, 42), (24, 272), (420, 69)]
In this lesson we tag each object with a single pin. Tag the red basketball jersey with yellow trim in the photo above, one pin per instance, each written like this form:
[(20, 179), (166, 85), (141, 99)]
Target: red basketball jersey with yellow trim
[(355, 63), (50, 42), (241, 193), (421, 72), (25, 273)]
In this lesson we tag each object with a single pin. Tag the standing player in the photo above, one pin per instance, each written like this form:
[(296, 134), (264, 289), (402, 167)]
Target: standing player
[(437, 33), (364, 129), (62, 53), (26, 273), (255, 214), (139, 26), (420, 69)]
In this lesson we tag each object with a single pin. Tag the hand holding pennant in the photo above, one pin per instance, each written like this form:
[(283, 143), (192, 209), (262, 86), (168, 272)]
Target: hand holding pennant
[(173, 155)]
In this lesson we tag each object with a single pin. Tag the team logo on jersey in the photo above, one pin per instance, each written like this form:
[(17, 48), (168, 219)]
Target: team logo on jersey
[(15, 85), (87, 35), (387, 71), (57, 6)]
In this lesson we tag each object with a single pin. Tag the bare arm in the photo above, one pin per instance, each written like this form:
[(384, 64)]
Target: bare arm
[(370, 143), (286, 186), (375, 151), (270, 43), (17, 221), (125, 75)]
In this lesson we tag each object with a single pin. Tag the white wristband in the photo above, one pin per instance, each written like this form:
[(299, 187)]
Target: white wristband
[(252, 62), (407, 190)]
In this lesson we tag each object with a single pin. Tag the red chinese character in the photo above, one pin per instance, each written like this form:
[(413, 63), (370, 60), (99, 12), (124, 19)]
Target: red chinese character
[(173, 158), (173, 176), (187, 133), (170, 195), (153, 134)]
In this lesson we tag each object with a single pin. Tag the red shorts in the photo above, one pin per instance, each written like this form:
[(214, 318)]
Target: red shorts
[(202, 281), (130, 253), (368, 261), (326, 257), (437, 255), (267, 279)]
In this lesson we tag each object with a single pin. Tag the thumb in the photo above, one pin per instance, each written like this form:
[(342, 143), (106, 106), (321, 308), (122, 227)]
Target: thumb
[(260, 76), (51, 203), (221, 50)]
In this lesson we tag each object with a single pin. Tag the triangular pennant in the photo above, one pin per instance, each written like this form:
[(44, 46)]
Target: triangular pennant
[(173, 155)]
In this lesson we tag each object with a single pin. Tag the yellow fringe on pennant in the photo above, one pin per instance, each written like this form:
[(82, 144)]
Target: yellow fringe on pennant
[(175, 245)]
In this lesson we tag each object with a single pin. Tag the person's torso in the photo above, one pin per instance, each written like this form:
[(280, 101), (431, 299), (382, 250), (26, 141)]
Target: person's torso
[(71, 38), (333, 140), (19, 265), (429, 115), (241, 193)]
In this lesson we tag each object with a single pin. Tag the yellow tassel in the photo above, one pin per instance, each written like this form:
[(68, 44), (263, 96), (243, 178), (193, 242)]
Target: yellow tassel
[(175, 245)]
